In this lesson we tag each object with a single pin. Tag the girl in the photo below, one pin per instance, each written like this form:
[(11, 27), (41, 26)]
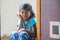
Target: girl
[(27, 24)]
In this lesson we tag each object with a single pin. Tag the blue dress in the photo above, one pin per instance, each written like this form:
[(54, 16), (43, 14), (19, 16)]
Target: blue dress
[(24, 35)]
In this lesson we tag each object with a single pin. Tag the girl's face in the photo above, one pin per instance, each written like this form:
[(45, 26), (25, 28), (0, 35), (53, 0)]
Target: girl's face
[(25, 14)]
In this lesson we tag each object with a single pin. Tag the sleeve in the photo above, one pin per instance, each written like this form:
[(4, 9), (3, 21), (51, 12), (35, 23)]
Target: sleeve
[(32, 21), (18, 23)]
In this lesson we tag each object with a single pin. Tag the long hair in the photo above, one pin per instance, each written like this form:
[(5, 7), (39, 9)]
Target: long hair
[(28, 7)]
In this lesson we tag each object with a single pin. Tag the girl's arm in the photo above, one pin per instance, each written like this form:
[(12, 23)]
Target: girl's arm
[(20, 27), (33, 32), (20, 17)]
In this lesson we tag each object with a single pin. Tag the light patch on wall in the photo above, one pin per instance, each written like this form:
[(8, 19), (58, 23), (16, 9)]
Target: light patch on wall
[(54, 29)]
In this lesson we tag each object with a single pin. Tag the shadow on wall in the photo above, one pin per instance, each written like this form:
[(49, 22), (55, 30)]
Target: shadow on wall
[(58, 1)]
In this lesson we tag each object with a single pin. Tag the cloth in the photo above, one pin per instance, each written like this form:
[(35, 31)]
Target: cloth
[(29, 24), (23, 34)]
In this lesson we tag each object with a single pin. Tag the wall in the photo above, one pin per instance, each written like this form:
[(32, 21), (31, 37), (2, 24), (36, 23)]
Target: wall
[(50, 11), (8, 16), (0, 15), (9, 10)]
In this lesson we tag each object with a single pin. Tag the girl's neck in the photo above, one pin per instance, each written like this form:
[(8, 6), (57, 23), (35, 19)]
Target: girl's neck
[(25, 22)]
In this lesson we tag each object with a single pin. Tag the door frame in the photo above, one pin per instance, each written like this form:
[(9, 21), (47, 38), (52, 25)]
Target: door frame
[(38, 17)]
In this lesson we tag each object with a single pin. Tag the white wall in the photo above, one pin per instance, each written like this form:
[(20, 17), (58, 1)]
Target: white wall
[(9, 10)]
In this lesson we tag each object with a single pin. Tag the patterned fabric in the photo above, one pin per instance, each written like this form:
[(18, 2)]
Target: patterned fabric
[(23, 34), (14, 36)]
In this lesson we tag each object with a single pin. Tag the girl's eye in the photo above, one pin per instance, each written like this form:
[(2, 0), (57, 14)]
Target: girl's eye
[(22, 12)]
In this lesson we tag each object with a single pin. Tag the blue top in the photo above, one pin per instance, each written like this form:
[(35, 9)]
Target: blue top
[(28, 26)]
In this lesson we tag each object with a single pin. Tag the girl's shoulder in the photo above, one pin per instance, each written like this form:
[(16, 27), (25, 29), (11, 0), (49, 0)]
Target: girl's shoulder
[(32, 21)]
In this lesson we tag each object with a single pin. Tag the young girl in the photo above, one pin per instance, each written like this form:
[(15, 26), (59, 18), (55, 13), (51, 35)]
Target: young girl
[(27, 24)]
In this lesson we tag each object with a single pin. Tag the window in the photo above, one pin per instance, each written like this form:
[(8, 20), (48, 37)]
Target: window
[(54, 29)]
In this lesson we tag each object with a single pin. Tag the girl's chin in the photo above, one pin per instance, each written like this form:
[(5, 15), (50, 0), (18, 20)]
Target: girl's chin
[(25, 19)]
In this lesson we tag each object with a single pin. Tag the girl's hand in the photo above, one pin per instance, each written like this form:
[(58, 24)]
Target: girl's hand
[(19, 15), (21, 30)]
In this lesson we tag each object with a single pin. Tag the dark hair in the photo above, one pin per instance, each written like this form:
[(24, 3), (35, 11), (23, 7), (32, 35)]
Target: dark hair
[(28, 7)]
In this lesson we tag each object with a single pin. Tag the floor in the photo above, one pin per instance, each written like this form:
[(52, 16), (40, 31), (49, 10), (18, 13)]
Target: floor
[(5, 37)]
